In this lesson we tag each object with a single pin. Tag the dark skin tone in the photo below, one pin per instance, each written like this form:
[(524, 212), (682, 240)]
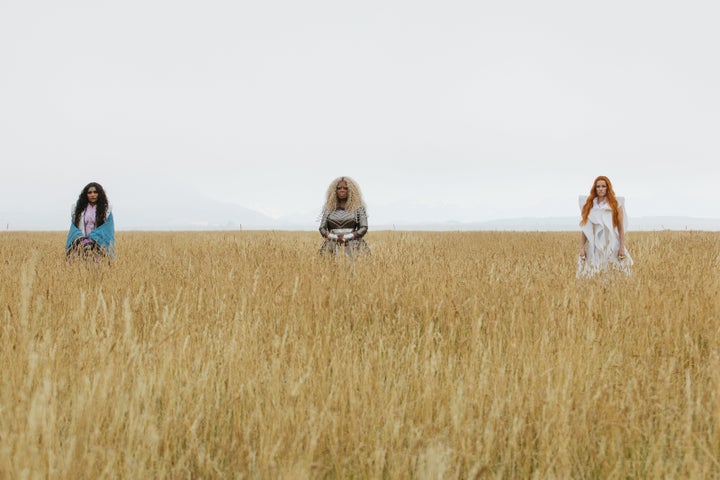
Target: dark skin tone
[(342, 195)]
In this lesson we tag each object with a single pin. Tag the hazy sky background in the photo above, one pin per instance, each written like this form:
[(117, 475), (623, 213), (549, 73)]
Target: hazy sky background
[(452, 110)]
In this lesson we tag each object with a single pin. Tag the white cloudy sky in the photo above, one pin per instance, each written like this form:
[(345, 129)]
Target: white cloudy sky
[(468, 110)]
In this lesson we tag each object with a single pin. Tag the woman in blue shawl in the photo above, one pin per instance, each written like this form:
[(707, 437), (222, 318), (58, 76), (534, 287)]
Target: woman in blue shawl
[(92, 228)]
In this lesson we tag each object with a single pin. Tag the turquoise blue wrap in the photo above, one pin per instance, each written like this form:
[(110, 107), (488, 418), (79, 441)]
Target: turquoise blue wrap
[(104, 236)]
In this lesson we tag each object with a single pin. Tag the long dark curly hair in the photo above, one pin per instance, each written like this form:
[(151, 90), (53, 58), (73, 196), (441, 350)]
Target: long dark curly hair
[(82, 203)]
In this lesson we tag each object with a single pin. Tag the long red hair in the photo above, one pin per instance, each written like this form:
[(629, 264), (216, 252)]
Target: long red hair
[(611, 200)]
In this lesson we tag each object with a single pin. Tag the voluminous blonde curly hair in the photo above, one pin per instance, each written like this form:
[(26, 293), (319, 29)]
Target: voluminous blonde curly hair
[(354, 200)]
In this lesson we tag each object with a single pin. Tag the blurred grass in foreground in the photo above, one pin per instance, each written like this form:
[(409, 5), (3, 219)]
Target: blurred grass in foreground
[(443, 355)]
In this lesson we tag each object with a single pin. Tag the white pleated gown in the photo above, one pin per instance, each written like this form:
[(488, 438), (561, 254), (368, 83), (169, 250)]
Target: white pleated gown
[(603, 241)]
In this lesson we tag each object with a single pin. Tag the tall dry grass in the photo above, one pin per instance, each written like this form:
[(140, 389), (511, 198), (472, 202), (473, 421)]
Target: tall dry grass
[(445, 355)]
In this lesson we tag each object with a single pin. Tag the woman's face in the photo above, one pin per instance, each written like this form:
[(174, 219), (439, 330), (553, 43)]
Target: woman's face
[(92, 195), (601, 188), (341, 190)]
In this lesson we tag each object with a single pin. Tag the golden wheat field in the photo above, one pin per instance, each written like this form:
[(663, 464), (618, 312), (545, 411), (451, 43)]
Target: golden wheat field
[(443, 355)]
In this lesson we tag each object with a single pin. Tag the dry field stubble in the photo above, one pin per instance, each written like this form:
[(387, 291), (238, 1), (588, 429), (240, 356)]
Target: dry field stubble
[(445, 355)]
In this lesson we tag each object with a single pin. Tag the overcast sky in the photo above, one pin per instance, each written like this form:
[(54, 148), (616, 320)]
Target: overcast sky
[(448, 110)]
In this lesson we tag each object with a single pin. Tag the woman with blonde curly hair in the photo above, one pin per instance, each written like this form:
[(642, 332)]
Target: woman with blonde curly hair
[(344, 221), (603, 226)]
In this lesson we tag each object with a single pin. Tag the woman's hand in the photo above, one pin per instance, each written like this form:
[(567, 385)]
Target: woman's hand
[(345, 237), (621, 253), (581, 254)]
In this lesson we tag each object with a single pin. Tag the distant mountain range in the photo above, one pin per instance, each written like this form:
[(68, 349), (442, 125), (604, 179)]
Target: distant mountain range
[(190, 214), (563, 224), (258, 221)]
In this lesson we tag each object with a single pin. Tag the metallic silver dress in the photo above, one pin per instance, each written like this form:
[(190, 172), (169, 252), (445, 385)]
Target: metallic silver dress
[(343, 222)]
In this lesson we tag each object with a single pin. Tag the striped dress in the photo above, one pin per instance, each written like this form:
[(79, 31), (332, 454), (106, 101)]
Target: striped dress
[(341, 221)]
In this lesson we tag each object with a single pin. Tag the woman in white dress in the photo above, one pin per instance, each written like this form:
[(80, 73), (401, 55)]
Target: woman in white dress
[(603, 226)]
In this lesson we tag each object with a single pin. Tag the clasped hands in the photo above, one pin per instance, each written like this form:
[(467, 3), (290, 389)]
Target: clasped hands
[(341, 237)]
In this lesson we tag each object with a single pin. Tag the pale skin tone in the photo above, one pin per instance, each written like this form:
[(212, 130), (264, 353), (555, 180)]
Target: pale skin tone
[(601, 189)]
